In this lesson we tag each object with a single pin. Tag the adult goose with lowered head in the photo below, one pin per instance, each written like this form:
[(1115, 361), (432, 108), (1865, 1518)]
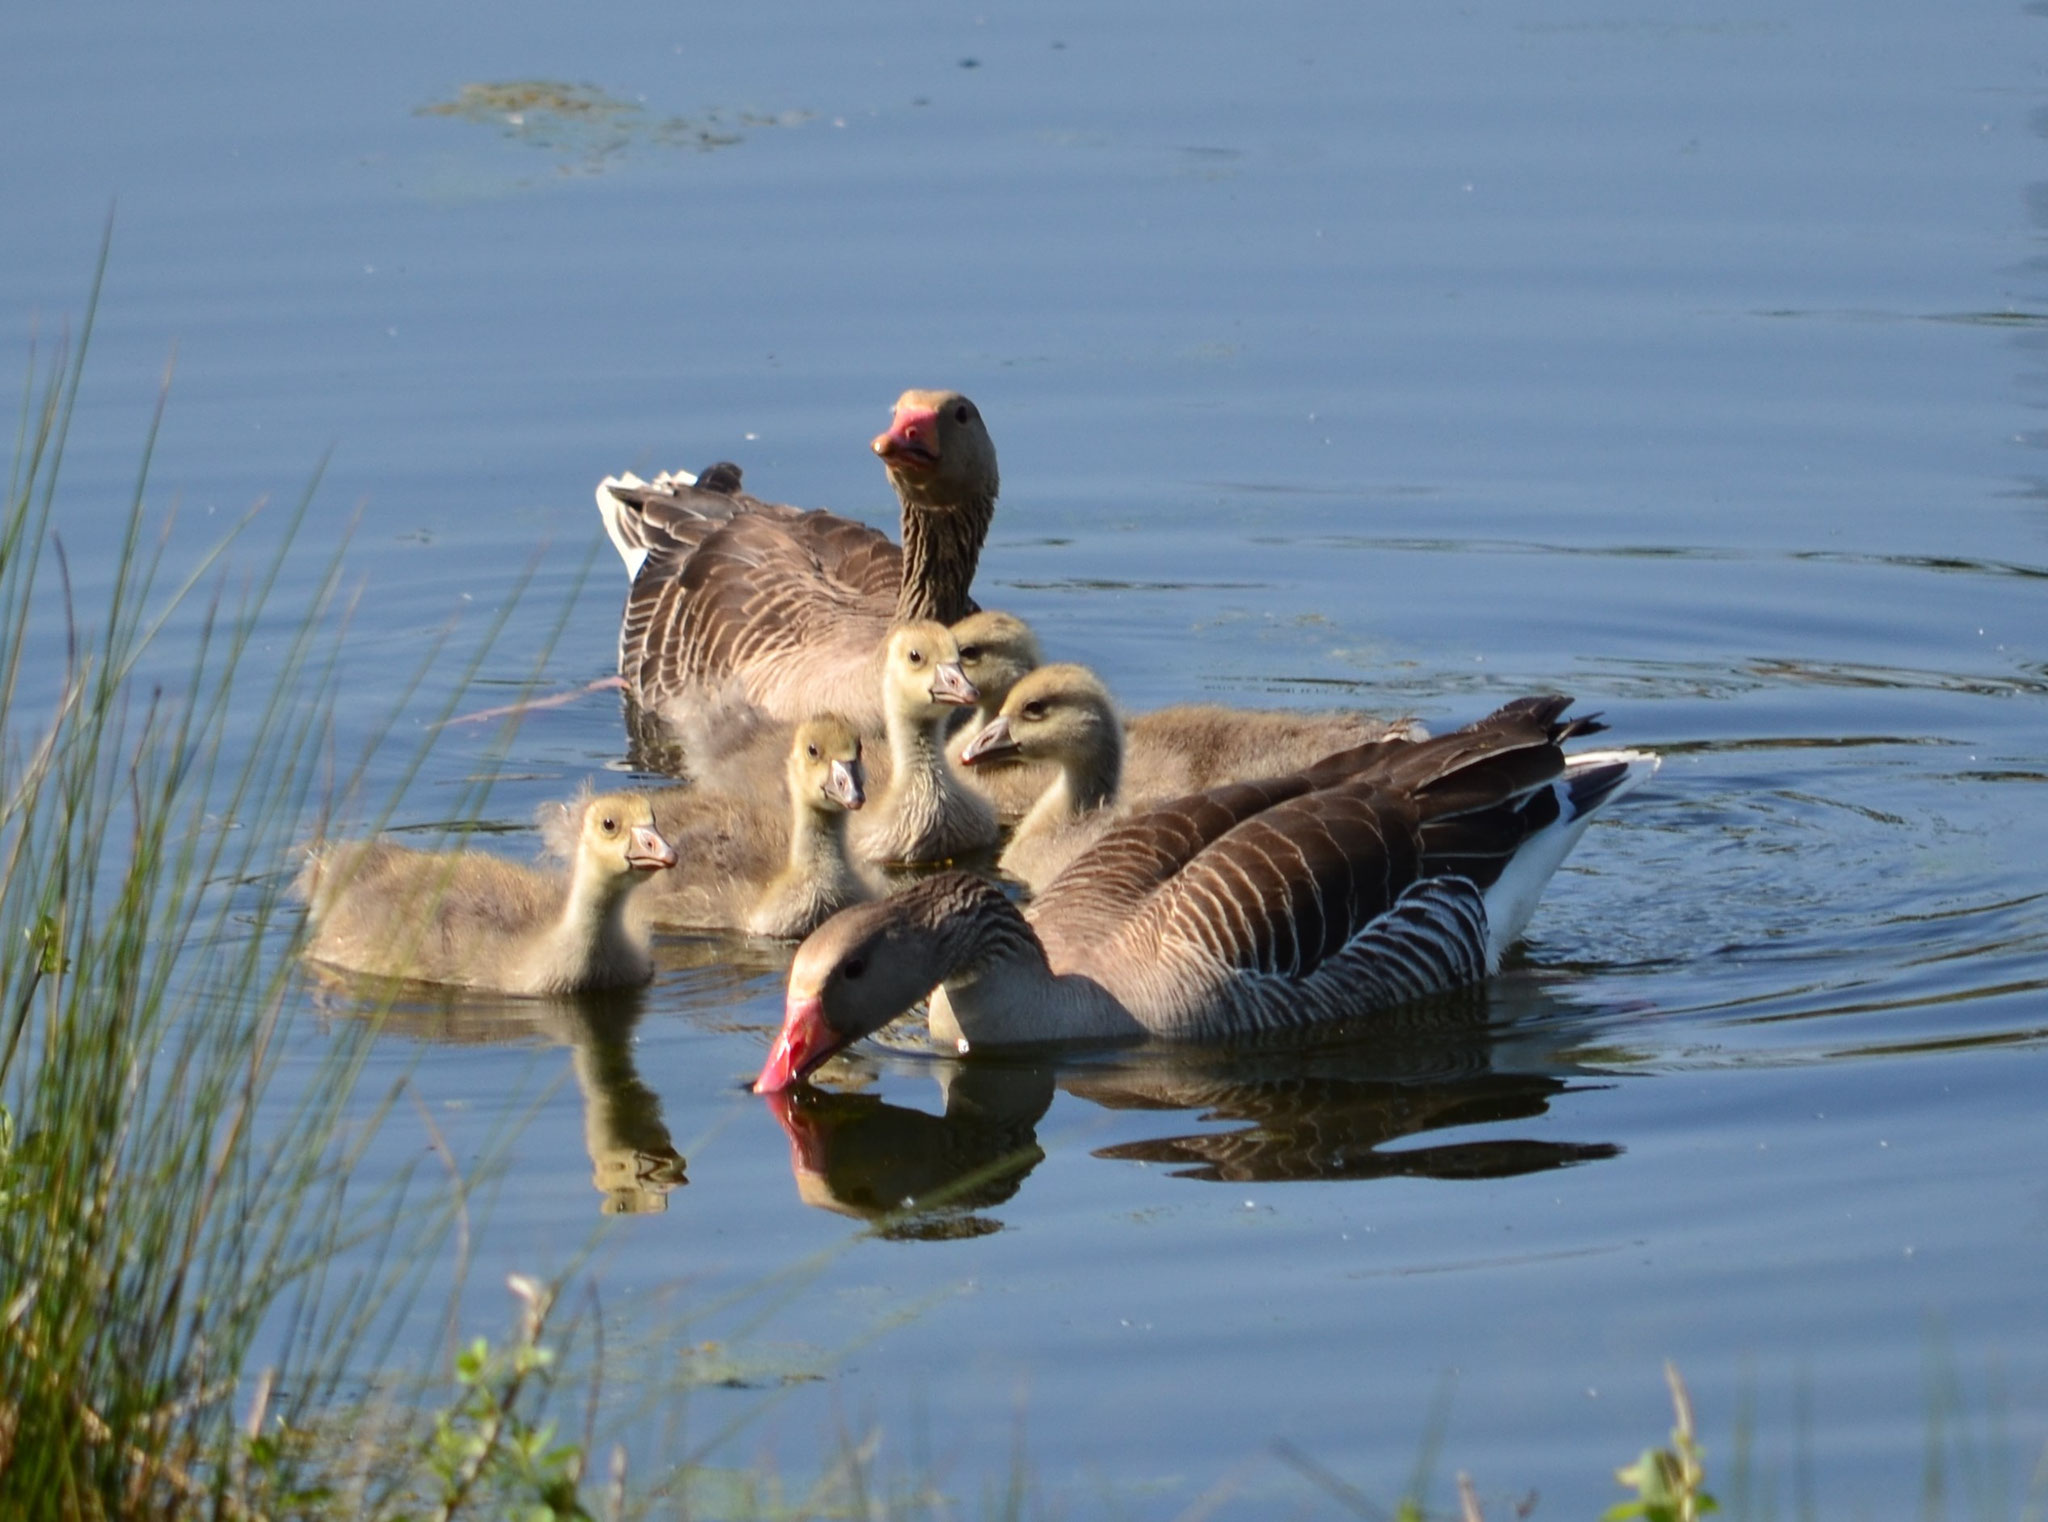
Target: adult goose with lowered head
[(477, 921), (734, 598), (1377, 876)]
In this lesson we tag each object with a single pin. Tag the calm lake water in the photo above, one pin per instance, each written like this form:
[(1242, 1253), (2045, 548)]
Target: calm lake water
[(1686, 359)]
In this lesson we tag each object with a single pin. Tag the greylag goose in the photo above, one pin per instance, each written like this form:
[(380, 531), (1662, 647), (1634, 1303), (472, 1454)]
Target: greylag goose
[(1063, 715), (770, 867), (926, 813), (1380, 875), (477, 921), (734, 597)]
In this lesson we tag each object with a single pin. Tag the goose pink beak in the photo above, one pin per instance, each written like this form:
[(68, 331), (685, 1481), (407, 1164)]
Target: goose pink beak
[(648, 852), (911, 441), (805, 1041)]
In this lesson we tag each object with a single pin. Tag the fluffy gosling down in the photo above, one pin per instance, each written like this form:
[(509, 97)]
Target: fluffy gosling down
[(760, 861), (476, 921)]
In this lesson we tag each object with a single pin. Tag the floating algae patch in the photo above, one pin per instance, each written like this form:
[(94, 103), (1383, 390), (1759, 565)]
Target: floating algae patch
[(591, 131)]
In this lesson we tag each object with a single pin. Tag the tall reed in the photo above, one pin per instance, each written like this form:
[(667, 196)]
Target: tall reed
[(160, 1210)]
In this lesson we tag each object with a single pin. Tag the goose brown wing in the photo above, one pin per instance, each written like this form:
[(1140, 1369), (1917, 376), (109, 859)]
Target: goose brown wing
[(1291, 885), (1106, 882), (1480, 791), (757, 584), (860, 557)]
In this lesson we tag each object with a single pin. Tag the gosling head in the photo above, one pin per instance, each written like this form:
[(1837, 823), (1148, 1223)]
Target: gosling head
[(938, 452), (997, 651), (618, 835), (1058, 713), (825, 770), (921, 672)]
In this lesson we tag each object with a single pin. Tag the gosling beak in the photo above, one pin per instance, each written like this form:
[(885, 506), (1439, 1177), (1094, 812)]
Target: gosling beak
[(950, 685), (911, 442), (805, 1041), (995, 742), (647, 851), (843, 784)]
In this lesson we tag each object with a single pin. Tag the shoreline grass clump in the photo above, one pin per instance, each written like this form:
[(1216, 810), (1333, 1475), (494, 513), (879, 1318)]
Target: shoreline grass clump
[(151, 1230)]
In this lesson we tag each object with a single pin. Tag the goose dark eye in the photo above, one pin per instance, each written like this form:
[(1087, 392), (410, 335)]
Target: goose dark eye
[(811, 751), (916, 657), (853, 969), (970, 652), (962, 413), (1035, 709), (609, 825)]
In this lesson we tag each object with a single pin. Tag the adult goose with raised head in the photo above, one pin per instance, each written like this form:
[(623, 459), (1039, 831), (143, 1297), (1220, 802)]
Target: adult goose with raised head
[(738, 599)]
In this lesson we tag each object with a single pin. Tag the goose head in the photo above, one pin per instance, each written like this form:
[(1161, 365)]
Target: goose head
[(937, 451), (866, 965), (618, 838), (997, 651), (1058, 713), (825, 770), (921, 675)]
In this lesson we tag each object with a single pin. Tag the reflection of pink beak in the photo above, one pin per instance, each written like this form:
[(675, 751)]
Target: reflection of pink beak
[(647, 851), (807, 1152), (912, 441), (805, 1041)]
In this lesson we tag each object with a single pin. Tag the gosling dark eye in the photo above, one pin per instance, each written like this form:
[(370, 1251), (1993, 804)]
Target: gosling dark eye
[(811, 751), (853, 969), (962, 413), (1035, 709), (916, 657), (970, 652), (609, 825)]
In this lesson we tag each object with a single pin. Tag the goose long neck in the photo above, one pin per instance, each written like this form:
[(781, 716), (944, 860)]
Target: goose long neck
[(1001, 991), (941, 548)]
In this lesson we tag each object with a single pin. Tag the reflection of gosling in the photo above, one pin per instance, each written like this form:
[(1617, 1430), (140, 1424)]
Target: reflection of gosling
[(476, 921), (633, 1161), (759, 864)]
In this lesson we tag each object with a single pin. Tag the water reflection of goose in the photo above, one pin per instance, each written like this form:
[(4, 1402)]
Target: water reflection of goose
[(1325, 1113), (634, 1164), (1377, 877), (733, 596)]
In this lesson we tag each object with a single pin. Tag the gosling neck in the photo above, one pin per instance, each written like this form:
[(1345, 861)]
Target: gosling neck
[(817, 843), (1085, 782)]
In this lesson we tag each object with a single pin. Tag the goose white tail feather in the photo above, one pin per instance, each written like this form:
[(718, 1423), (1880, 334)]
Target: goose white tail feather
[(1592, 779)]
